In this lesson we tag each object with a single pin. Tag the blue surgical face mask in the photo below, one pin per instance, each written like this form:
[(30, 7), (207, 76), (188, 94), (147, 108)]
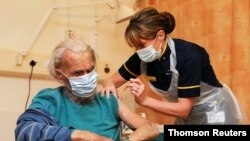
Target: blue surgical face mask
[(85, 85), (149, 54)]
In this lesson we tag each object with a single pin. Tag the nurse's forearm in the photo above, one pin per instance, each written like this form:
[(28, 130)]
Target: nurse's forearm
[(116, 80), (177, 109)]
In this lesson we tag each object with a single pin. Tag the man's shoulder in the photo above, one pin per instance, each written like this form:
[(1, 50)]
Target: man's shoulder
[(50, 90), (110, 103)]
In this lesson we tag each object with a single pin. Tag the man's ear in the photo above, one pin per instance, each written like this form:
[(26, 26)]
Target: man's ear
[(59, 76)]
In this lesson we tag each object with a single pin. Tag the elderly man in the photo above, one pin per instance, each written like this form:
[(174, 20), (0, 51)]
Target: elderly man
[(75, 111)]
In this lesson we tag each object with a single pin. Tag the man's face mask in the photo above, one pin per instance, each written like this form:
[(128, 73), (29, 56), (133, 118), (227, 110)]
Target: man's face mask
[(83, 86), (149, 54)]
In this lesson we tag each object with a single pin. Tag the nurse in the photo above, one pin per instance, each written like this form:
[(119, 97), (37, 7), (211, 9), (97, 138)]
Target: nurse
[(176, 69)]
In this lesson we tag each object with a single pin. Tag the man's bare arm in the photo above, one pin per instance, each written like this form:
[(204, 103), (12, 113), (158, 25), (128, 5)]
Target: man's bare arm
[(144, 129)]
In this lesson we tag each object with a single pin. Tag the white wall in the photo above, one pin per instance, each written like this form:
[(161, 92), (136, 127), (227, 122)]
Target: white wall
[(32, 29)]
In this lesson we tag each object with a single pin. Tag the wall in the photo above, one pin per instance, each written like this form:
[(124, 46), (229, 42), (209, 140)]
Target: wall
[(33, 34)]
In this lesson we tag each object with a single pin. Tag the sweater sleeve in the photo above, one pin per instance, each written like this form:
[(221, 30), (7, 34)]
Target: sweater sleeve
[(38, 125)]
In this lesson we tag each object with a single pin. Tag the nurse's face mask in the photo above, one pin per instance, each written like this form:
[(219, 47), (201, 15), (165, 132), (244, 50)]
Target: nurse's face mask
[(84, 85), (149, 54)]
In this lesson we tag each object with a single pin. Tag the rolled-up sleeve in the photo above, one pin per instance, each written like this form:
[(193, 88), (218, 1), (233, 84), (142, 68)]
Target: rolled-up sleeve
[(34, 125)]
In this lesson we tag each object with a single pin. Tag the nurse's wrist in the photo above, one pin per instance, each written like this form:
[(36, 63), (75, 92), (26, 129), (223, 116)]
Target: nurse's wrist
[(144, 101), (140, 99)]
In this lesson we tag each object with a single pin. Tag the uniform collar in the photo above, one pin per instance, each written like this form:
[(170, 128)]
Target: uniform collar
[(164, 50)]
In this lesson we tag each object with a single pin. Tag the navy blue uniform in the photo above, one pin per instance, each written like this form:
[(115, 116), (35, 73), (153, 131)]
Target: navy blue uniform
[(193, 65)]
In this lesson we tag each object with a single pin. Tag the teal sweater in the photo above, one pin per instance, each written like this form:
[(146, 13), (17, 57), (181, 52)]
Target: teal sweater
[(101, 116)]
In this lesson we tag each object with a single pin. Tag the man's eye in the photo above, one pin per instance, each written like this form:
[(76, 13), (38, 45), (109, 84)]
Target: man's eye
[(78, 73), (89, 70)]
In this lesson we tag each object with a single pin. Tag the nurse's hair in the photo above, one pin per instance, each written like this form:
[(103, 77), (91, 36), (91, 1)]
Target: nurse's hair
[(73, 45), (146, 23)]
